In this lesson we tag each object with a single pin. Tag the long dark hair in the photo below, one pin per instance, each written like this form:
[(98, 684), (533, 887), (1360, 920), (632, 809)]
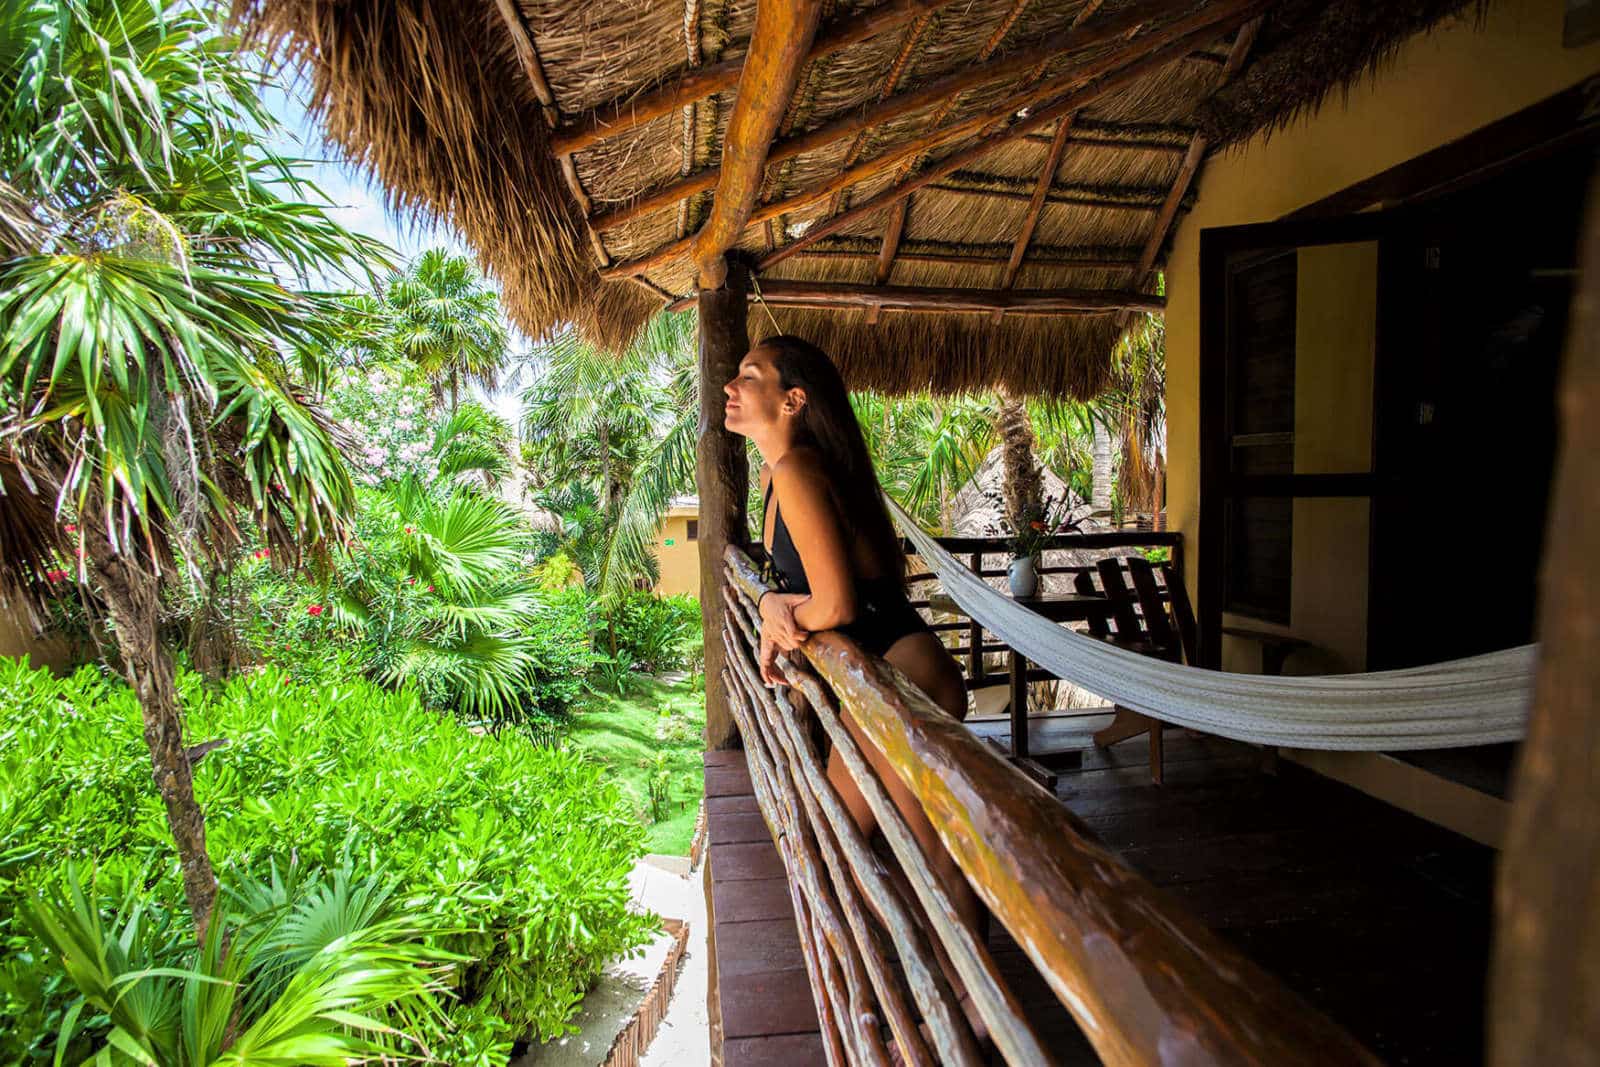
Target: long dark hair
[(828, 423)]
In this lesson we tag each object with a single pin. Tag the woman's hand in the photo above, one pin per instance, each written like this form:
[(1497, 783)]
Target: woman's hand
[(770, 674), (777, 620)]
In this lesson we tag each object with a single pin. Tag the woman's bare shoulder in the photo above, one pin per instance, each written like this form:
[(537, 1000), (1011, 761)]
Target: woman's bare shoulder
[(800, 468)]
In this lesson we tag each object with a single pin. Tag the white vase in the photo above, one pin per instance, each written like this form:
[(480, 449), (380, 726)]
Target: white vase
[(1024, 578)]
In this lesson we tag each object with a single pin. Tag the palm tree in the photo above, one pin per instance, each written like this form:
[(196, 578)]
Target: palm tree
[(625, 426), (447, 323), (152, 305)]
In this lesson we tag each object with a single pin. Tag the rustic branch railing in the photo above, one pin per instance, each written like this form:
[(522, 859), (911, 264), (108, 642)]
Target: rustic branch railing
[(1146, 983)]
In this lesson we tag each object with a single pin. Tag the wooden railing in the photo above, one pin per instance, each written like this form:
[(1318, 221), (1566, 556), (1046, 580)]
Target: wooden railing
[(1146, 983)]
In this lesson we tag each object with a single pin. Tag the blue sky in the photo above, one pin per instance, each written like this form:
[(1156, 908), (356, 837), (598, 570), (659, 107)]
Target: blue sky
[(358, 202), (358, 206)]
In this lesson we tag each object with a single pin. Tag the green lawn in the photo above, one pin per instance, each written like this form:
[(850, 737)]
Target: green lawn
[(626, 734)]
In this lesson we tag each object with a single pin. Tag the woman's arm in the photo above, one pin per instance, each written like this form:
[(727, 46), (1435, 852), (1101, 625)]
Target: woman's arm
[(801, 486)]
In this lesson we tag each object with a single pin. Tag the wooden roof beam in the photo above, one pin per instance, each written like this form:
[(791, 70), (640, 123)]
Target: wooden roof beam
[(889, 108), (1104, 75), (890, 246), (1191, 161), (1047, 177), (1227, 15), (696, 83), (779, 47), (793, 292)]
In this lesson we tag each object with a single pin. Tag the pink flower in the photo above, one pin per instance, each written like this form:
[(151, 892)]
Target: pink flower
[(430, 588), (314, 610), (261, 553), (70, 528), (56, 575), (411, 581)]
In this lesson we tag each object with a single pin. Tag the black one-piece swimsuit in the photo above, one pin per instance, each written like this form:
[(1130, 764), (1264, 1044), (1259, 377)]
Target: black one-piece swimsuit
[(883, 613)]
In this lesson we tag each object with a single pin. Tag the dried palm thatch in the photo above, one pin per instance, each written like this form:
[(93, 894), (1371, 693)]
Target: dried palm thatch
[(435, 98)]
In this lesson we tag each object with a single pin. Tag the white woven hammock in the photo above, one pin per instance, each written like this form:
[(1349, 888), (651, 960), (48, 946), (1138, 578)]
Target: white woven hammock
[(1474, 701)]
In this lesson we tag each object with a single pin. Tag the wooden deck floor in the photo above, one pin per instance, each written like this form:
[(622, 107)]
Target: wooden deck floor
[(1379, 919)]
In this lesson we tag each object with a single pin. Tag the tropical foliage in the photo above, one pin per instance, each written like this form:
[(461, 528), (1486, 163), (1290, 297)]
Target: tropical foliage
[(155, 307), (444, 321), (609, 441), (498, 871)]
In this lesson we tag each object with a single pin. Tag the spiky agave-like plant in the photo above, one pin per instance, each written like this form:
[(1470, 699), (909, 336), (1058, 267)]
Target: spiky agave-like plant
[(147, 335)]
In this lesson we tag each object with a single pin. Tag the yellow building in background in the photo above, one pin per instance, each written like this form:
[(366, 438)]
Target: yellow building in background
[(678, 548)]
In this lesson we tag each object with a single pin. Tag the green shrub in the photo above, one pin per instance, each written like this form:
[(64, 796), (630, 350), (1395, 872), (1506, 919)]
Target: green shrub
[(514, 855), (652, 633)]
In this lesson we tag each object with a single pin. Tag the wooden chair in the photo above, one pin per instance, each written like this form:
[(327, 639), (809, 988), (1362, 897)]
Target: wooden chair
[(1150, 631)]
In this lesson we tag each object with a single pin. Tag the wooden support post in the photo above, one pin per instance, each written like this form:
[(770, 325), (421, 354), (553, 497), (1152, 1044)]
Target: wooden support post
[(1543, 989), (723, 475), (779, 47)]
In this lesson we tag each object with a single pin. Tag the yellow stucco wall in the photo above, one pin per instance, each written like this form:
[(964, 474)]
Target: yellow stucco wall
[(680, 560), (1441, 86)]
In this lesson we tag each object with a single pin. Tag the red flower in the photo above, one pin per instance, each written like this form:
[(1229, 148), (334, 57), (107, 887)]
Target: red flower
[(1036, 524), (315, 609), (411, 581), (409, 531), (430, 588), (70, 528), (56, 575)]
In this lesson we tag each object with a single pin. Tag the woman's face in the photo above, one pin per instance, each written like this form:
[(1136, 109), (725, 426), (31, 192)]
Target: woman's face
[(756, 400)]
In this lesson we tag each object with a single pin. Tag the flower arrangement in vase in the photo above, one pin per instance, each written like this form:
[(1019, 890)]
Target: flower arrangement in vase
[(1030, 533)]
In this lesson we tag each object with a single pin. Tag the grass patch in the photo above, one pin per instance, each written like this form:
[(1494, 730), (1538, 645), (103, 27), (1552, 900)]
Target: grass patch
[(656, 721)]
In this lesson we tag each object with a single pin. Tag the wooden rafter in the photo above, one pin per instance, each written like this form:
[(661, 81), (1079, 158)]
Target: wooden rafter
[(780, 46), (1047, 177), (798, 293), (1102, 76), (948, 89), (1227, 16), (1191, 161), (917, 252), (890, 246), (1030, 219), (528, 57), (696, 83)]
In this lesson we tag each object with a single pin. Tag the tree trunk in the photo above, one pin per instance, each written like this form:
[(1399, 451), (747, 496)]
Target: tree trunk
[(1023, 487), (131, 596), (455, 391), (1103, 447)]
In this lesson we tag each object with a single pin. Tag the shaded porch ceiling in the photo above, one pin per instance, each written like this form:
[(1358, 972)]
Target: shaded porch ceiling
[(960, 194)]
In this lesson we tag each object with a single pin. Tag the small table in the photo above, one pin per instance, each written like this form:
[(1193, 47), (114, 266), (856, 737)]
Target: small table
[(1057, 607)]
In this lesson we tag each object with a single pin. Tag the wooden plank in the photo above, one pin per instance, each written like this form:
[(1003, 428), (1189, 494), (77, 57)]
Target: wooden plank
[(727, 781), (736, 828), (791, 291), (782, 1050), (746, 861), (730, 803), (886, 253), (751, 900), (779, 47), (765, 1004), (761, 946)]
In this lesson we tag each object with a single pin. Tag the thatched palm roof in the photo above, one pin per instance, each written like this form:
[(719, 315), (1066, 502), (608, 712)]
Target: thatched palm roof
[(460, 106)]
